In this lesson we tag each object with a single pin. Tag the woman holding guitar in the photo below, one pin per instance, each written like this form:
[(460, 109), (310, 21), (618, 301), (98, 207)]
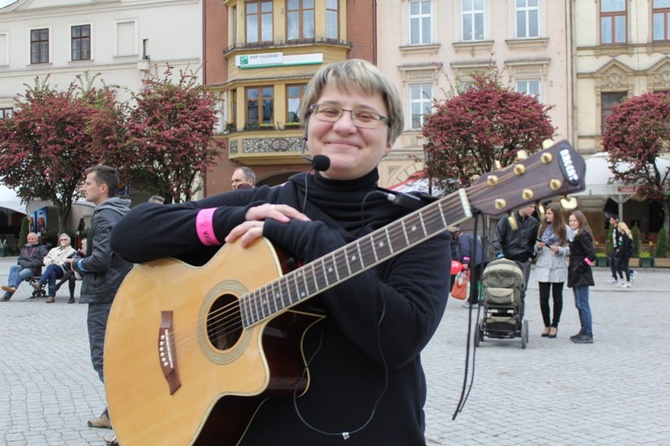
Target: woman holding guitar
[(361, 378)]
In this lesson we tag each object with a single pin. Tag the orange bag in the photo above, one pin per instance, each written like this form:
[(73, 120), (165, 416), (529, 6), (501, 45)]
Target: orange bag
[(461, 282)]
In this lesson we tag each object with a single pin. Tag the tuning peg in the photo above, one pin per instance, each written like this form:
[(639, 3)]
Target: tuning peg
[(547, 143), (569, 203), (512, 222), (521, 155)]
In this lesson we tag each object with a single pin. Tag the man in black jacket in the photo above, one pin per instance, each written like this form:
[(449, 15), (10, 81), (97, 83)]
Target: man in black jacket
[(29, 264), (102, 270), (517, 244)]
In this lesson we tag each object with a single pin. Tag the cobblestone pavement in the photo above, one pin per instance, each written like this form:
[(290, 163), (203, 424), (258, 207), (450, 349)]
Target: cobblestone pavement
[(614, 392)]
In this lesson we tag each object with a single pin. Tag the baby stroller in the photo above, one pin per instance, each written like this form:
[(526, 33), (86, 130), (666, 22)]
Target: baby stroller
[(502, 284)]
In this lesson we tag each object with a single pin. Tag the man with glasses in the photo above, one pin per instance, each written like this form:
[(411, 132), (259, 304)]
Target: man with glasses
[(517, 244), (55, 261)]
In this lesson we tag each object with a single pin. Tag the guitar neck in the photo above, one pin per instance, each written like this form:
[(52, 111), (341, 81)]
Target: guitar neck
[(354, 258), (554, 171)]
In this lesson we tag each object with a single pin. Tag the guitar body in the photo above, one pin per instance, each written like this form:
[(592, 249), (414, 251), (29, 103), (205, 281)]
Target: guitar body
[(180, 368)]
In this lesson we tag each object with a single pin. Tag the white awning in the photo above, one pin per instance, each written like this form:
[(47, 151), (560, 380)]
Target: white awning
[(9, 200)]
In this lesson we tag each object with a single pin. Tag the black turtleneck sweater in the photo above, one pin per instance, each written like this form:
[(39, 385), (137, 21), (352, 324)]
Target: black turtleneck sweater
[(376, 323)]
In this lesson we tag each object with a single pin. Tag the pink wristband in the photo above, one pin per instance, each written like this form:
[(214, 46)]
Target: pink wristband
[(205, 228), (588, 261)]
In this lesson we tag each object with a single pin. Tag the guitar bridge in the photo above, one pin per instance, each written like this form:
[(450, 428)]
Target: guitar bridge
[(167, 353)]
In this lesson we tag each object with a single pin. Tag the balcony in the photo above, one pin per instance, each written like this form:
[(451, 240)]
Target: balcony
[(266, 144)]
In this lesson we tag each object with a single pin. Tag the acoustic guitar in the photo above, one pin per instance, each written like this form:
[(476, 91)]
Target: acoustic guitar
[(191, 352)]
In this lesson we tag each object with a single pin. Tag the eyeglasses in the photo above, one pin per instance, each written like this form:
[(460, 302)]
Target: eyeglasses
[(363, 119), (64, 240)]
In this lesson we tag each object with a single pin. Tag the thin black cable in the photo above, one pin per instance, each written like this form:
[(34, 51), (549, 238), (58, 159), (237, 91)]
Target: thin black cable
[(465, 389), (346, 435)]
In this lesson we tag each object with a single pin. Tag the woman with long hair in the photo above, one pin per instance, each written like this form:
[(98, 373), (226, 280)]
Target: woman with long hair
[(551, 269), (580, 274), (624, 253)]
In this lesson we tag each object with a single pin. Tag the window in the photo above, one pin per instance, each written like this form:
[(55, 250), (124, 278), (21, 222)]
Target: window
[(4, 49), (233, 24), (233, 106), (660, 19), (39, 46), (332, 19), (612, 22), (81, 42), (473, 20), (260, 105), (607, 102), (300, 19), (293, 95), (527, 18), (530, 87), (421, 101), (126, 39), (259, 21), (6, 113), (420, 21)]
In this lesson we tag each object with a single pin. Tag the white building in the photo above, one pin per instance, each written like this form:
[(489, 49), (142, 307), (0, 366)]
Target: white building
[(120, 41)]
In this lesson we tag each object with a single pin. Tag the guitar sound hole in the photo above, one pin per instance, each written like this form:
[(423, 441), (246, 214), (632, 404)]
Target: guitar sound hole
[(224, 325)]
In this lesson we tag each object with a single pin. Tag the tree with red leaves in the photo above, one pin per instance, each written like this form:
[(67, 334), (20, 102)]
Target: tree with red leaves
[(638, 131), (465, 134), (54, 136), (170, 136)]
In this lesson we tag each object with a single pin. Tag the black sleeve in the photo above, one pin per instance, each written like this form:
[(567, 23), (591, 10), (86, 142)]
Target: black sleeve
[(151, 231), (499, 236)]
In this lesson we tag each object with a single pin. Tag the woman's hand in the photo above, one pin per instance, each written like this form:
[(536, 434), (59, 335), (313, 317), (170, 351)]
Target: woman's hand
[(252, 229)]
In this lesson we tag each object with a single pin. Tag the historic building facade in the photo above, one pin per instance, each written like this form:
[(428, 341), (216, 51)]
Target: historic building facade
[(260, 56), (429, 47)]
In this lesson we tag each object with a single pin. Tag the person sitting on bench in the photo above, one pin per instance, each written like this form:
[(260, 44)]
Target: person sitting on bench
[(70, 276), (28, 265), (55, 261)]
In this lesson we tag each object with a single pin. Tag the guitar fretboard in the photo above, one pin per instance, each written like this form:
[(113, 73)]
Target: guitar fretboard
[(354, 258)]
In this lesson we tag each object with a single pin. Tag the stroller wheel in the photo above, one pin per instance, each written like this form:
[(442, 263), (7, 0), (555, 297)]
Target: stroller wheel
[(524, 334)]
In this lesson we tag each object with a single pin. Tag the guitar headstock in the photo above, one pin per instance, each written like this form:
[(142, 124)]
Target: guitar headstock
[(557, 170)]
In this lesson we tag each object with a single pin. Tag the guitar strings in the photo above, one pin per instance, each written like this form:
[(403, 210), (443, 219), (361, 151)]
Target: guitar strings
[(228, 319)]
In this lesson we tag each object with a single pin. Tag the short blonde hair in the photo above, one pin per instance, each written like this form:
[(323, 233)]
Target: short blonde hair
[(356, 74)]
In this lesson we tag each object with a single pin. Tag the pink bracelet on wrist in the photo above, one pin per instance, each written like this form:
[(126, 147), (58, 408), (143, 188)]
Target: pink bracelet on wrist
[(204, 226)]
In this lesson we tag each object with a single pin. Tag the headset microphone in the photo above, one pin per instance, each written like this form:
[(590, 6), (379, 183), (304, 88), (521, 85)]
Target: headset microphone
[(319, 162)]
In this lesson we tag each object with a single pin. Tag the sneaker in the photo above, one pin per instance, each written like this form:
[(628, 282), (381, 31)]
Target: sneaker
[(4, 299), (51, 299), (101, 422), (619, 284), (582, 339), (625, 285), (633, 277), (9, 289), (612, 281)]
